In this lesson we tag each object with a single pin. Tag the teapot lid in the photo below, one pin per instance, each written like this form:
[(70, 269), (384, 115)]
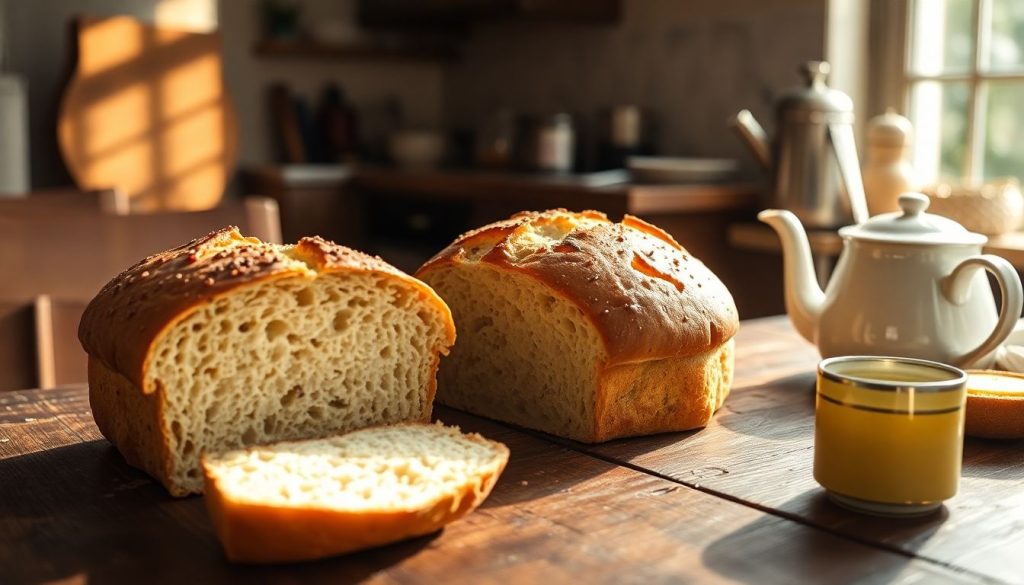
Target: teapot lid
[(912, 226), (815, 96)]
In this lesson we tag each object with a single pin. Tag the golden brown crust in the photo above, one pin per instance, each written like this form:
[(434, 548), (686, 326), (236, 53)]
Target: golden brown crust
[(994, 417), (667, 395), (646, 296), (132, 421), (260, 534), (130, 313)]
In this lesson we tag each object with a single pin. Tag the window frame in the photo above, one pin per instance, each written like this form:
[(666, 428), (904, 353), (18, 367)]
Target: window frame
[(890, 55)]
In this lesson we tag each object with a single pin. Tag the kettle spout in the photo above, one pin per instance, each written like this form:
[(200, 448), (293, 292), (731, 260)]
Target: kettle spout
[(804, 298), (754, 135)]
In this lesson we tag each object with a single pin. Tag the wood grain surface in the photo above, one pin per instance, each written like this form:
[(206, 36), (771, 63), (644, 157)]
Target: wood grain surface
[(732, 503), (759, 448)]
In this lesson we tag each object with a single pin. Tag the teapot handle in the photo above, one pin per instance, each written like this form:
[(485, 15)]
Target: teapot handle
[(957, 285)]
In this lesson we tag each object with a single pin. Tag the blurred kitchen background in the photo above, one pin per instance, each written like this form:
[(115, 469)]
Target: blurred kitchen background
[(127, 126)]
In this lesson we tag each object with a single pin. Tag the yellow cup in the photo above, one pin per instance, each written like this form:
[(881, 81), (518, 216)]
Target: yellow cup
[(888, 433)]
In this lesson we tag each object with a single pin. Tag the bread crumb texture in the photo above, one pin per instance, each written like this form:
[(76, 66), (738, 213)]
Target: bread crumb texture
[(249, 343), (305, 500), (394, 468)]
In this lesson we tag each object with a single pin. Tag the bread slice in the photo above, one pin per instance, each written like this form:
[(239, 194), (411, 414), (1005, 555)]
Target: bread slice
[(227, 342), (583, 328), (304, 500)]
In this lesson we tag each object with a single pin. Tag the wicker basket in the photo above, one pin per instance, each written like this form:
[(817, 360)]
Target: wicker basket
[(994, 208)]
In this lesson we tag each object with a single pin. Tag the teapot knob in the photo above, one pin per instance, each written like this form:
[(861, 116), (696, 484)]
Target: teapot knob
[(913, 204), (815, 72)]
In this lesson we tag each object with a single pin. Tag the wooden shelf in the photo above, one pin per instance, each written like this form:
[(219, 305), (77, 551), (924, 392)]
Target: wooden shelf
[(364, 51)]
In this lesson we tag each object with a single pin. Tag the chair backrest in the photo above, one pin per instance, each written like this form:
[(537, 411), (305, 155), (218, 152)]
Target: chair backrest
[(65, 200), (58, 250), (69, 253), (18, 360)]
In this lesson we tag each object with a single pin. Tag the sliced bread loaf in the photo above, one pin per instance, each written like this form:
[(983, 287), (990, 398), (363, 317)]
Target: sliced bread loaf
[(305, 500), (228, 341), (584, 328)]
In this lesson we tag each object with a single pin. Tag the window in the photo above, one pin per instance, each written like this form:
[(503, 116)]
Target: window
[(963, 87)]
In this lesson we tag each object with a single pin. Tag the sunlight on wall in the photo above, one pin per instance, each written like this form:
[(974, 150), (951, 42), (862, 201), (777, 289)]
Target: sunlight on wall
[(147, 112), (195, 15)]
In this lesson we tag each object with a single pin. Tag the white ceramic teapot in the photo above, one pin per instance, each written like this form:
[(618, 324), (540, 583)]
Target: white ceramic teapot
[(907, 284)]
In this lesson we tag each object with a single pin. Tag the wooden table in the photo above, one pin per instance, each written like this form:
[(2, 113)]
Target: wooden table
[(732, 503)]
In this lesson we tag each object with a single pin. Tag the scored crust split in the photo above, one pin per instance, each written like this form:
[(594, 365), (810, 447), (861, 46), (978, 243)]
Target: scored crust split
[(228, 341), (584, 328)]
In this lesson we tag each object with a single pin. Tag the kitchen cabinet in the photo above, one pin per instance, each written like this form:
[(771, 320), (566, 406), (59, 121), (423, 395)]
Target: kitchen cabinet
[(455, 13)]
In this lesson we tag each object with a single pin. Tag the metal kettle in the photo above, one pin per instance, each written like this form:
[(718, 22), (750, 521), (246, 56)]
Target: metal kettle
[(813, 159)]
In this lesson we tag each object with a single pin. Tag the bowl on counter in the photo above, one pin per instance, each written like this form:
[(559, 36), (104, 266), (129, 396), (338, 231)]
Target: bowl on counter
[(662, 169), (993, 209), (417, 149)]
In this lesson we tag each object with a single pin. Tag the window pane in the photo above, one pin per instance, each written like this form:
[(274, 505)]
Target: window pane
[(942, 36), (1004, 130), (939, 113), (1006, 39)]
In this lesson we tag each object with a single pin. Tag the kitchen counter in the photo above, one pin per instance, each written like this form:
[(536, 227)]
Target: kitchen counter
[(759, 237), (735, 502), (607, 191), (406, 216)]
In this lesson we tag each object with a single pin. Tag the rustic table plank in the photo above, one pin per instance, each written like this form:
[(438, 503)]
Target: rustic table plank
[(71, 509), (759, 451)]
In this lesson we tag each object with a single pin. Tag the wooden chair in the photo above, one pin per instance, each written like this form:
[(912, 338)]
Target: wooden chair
[(54, 257), (39, 344), (69, 253), (66, 200)]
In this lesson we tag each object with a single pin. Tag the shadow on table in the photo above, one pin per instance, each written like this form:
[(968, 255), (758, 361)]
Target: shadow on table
[(993, 459), (781, 410), (80, 512), (778, 410), (825, 557), (539, 464)]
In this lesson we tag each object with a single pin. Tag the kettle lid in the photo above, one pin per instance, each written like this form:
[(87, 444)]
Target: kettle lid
[(815, 96), (912, 226)]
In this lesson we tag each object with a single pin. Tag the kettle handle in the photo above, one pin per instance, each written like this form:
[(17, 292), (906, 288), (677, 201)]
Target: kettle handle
[(845, 147), (957, 285)]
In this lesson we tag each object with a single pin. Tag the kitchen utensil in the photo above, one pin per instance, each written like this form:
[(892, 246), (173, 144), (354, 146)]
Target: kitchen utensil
[(908, 284), (888, 433), (624, 134), (887, 174), (993, 209), (497, 140), (556, 144), (14, 174), (660, 169), (813, 158)]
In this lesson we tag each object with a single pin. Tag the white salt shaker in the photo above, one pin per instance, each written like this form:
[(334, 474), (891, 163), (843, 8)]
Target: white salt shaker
[(887, 174)]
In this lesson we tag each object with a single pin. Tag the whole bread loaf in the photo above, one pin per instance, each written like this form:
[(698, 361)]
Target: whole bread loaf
[(303, 500), (227, 341), (583, 328)]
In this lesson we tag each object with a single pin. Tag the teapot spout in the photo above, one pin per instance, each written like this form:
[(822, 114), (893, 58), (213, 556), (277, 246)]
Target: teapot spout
[(754, 135), (804, 298)]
